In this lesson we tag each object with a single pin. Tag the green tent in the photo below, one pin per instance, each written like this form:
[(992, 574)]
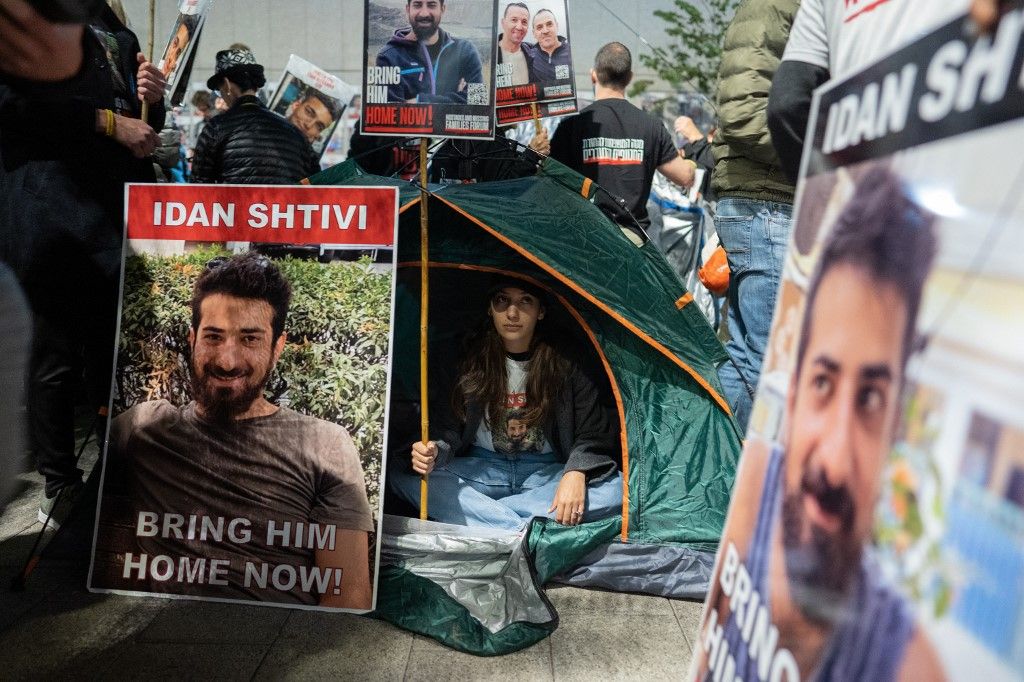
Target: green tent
[(480, 591)]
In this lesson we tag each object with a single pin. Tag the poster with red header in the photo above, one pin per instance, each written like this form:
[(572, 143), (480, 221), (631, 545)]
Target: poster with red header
[(876, 530), (429, 68), (245, 453), (533, 61)]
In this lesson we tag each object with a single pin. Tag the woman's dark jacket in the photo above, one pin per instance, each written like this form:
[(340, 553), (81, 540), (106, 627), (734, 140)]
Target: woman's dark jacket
[(582, 432)]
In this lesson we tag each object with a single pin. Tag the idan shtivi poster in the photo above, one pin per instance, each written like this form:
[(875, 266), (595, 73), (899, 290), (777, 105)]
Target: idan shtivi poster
[(875, 531), (244, 459)]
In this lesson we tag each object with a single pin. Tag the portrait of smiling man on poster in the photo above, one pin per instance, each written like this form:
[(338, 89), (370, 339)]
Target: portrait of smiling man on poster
[(434, 66), (798, 593), (229, 495), (313, 113)]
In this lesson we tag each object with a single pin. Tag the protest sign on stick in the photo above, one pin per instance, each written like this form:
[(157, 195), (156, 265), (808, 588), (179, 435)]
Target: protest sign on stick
[(183, 41), (533, 61), (245, 456), (429, 68), (312, 100)]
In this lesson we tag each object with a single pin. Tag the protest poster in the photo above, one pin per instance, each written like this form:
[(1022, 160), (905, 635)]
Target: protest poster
[(533, 61), (875, 529), (182, 42), (312, 100), (524, 112), (244, 458), (429, 68)]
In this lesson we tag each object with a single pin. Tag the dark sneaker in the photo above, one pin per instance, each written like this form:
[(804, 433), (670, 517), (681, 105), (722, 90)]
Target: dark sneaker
[(59, 507)]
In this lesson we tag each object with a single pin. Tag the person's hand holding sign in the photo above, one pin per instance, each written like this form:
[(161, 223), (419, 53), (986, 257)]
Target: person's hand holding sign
[(424, 456), (151, 82), (541, 143)]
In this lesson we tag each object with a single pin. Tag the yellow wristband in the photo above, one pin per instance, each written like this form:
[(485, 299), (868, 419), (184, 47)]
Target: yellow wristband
[(111, 123)]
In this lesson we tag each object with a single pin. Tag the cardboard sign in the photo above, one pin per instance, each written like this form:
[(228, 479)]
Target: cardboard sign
[(245, 454)]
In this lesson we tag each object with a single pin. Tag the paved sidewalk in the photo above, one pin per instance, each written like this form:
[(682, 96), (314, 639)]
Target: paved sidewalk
[(56, 628)]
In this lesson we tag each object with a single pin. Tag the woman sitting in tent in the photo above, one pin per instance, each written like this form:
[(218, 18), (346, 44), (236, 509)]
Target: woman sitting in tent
[(525, 434)]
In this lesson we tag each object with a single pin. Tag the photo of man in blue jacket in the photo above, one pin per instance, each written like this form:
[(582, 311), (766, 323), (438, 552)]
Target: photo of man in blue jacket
[(435, 67)]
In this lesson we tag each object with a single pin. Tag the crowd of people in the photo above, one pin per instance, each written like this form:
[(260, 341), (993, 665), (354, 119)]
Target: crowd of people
[(72, 133)]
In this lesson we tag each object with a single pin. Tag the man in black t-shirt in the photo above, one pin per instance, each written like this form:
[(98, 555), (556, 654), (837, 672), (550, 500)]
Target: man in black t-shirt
[(616, 144)]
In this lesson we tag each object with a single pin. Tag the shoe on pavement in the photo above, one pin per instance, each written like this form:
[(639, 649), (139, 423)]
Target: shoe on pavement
[(58, 508)]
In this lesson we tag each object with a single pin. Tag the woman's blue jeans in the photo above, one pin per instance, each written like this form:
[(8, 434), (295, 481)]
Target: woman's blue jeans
[(484, 488)]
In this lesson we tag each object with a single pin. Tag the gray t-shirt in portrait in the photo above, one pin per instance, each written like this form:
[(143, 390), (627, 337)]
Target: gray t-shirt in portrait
[(285, 468)]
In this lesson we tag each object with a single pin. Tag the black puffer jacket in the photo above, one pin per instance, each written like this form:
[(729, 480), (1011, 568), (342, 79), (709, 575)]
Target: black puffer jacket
[(250, 144)]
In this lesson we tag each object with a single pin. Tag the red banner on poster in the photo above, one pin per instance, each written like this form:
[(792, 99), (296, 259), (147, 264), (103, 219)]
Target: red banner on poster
[(293, 214)]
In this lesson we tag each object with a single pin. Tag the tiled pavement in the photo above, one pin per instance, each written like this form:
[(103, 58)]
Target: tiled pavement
[(55, 628)]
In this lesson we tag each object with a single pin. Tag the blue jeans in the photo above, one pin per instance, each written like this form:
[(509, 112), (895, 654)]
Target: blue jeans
[(484, 488), (755, 235)]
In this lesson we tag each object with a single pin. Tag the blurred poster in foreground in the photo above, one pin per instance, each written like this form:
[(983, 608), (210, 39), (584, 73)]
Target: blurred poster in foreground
[(429, 68), (877, 523), (177, 57), (534, 61), (244, 459), (312, 100)]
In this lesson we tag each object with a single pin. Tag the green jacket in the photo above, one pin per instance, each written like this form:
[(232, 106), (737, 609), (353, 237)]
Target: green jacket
[(746, 164)]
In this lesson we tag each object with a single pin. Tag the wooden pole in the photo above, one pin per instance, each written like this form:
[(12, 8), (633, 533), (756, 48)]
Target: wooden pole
[(424, 314), (149, 54), (536, 118)]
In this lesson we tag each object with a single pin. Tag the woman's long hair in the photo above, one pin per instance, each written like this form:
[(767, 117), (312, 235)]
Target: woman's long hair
[(483, 377)]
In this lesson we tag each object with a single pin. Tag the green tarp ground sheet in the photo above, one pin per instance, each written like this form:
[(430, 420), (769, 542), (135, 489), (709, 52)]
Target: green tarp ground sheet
[(628, 308)]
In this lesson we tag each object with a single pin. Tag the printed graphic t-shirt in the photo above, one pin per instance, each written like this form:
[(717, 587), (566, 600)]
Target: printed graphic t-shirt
[(506, 434), (617, 146), (285, 467), (846, 35)]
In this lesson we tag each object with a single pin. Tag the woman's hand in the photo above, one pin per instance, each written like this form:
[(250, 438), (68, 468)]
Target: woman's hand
[(424, 456), (570, 498)]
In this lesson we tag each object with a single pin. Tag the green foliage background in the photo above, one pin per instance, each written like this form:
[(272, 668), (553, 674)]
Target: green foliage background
[(691, 58), (334, 365)]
